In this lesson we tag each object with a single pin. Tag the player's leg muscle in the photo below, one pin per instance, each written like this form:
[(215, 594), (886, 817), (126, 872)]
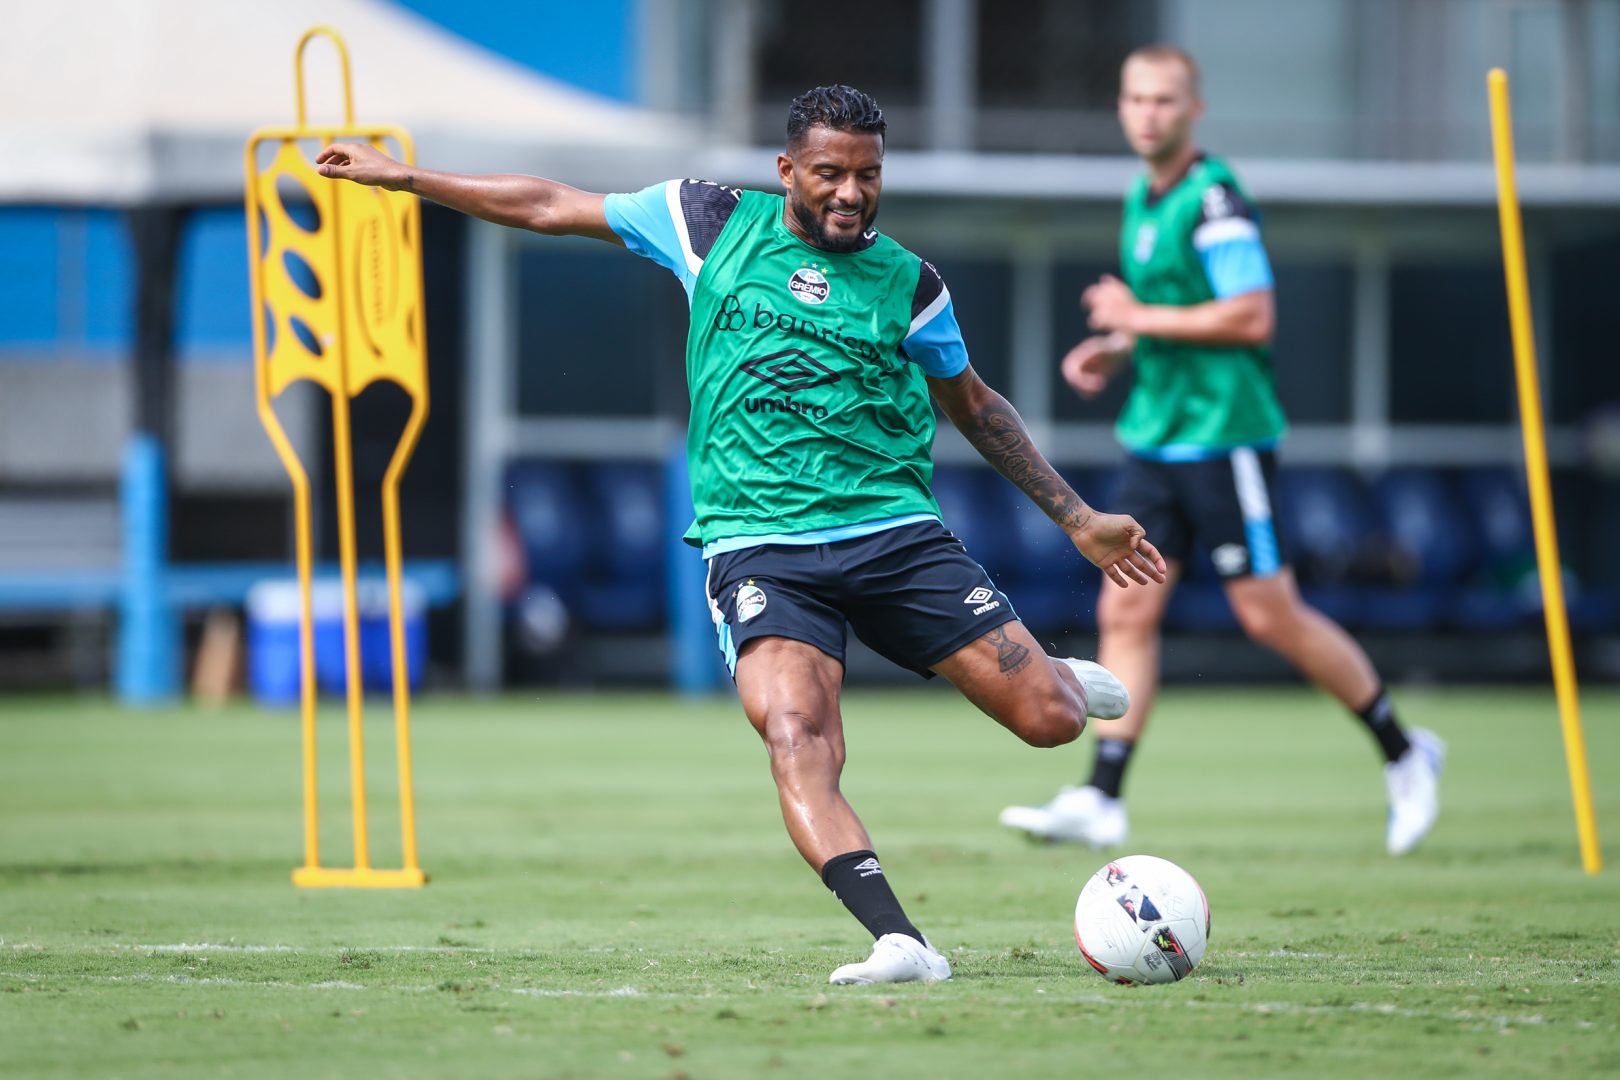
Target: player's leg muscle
[(1135, 613), (1011, 679), (1268, 608), (789, 690), (1274, 614), (1128, 645)]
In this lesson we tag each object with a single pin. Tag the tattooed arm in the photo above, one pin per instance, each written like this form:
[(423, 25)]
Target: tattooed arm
[(1114, 542), (522, 202)]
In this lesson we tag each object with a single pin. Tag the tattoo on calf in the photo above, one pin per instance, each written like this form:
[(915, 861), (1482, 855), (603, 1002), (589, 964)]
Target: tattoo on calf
[(1010, 655)]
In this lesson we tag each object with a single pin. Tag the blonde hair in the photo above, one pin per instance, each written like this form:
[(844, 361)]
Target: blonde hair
[(1161, 52)]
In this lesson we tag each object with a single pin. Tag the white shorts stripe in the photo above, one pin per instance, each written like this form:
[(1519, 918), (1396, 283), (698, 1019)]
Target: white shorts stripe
[(722, 631), (1251, 485)]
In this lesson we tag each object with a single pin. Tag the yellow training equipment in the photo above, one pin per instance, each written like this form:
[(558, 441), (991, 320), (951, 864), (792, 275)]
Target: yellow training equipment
[(1535, 467), (339, 304)]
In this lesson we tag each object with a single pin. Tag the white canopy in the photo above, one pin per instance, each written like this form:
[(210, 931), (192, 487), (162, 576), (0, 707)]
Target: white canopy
[(129, 101)]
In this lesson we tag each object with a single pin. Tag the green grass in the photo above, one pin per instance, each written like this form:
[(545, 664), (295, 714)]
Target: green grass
[(613, 895)]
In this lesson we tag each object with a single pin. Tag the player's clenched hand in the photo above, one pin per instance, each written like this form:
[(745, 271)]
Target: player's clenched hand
[(1117, 544), (361, 163), (1111, 303), (1089, 365)]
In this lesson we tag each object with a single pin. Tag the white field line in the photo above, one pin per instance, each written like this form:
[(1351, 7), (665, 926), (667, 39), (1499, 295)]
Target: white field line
[(328, 984), (189, 980), (623, 991), (207, 947), (203, 946), (1276, 1008)]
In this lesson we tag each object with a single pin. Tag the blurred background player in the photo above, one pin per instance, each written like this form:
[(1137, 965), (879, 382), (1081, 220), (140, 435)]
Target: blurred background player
[(1200, 428), (814, 346)]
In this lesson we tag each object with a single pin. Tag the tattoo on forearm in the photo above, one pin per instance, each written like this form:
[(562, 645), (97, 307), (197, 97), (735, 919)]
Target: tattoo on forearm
[(410, 182), (1011, 656), (998, 433)]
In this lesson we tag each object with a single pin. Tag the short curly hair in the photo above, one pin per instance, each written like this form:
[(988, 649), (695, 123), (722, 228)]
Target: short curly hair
[(839, 107)]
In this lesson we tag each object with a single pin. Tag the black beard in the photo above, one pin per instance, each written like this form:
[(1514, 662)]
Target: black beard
[(816, 229)]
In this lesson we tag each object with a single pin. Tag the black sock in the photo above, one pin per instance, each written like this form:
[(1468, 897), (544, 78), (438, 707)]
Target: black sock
[(1108, 770), (1379, 716), (858, 880)]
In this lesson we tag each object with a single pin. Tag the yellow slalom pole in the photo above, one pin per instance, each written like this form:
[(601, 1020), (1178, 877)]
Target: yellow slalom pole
[(1535, 467)]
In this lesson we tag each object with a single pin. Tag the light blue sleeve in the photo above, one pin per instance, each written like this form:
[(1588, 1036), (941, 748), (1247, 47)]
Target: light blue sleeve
[(935, 341), (645, 222), (1236, 265)]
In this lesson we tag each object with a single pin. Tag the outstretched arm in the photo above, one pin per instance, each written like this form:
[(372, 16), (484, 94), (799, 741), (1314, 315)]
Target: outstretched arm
[(1114, 542), (1245, 319), (521, 202)]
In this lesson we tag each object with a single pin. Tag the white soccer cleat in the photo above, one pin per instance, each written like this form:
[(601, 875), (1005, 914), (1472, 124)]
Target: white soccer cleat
[(1414, 790), (1082, 815), (1106, 696), (895, 958)]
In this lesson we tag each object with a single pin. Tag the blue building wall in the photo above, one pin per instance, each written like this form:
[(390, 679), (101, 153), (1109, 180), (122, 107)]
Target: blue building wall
[(67, 281), (67, 272)]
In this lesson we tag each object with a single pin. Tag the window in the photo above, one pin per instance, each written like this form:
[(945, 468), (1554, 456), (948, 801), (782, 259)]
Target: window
[(69, 281), (981, 293), (1312, 349), (1450, 358), (875, 48), (1048, 76), (1069, 279), (600, 333), (215, 315), (1585, 326)]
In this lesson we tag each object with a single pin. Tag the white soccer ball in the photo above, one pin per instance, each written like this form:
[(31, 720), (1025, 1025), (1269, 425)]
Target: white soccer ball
[(1142, 919)]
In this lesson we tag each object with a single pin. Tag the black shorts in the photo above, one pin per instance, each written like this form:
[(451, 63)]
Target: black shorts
[(1223, 503), (912, 593)]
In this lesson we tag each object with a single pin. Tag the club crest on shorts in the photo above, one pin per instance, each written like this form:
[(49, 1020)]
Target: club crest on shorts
[(1230, 558), (750, 602)]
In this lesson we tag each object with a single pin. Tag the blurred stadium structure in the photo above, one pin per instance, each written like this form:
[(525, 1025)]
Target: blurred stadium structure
[(540, 503)]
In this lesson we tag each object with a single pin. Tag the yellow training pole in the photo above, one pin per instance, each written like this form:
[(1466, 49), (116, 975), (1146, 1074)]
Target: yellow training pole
[(1535, 467), (354, 316), (353, 688)]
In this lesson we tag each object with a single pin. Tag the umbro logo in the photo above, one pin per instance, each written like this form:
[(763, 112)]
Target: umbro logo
[(982, 597), (791, 370), (868, 868)]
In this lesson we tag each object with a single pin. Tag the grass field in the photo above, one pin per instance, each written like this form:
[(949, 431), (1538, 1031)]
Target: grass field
[(613, 895)]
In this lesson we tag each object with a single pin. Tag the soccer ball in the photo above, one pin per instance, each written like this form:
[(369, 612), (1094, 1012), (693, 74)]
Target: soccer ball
[(1142, 919)]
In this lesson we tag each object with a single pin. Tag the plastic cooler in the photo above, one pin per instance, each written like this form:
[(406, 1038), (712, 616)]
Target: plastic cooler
[(272, 637)]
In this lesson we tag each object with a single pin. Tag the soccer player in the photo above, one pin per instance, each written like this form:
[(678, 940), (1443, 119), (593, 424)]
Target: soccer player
[(815, 345), (1200, 428)]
